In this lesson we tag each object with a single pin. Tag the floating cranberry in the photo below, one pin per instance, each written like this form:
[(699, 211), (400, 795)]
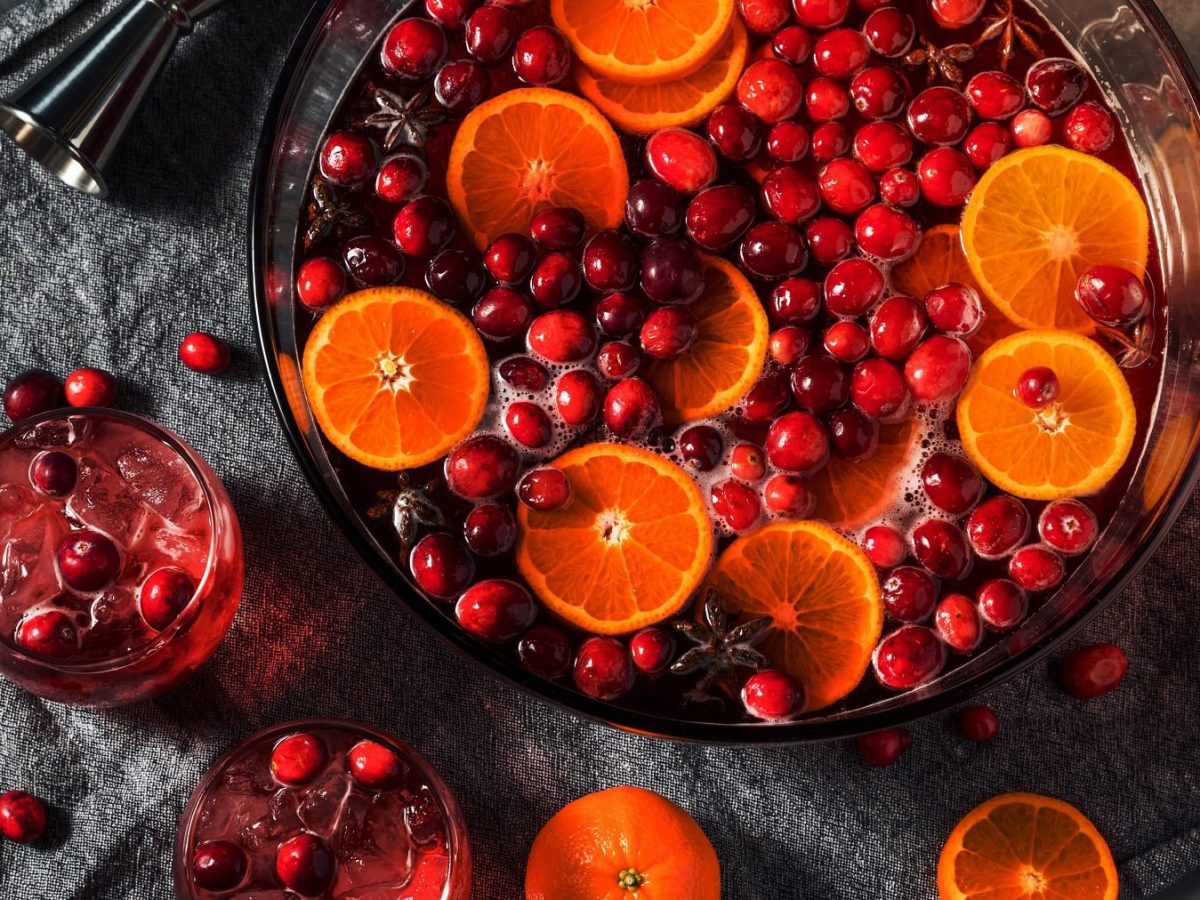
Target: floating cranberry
[(561, 336), (610, 262), (305, 864), (951, 482), (556, 280), (1036, 568), (880, 749), (452, 14), (1002, 603), (819, 384), (413, 49), (495, 610), (879, 93), (164, 595), (482, 466), (956, 13), (1112, 295), (461, 85), (490, 530), (771, 89), (510, 258), (747, 463), (545, 489), (619, 314), (502, 313), (995, 95), (938, 369), (829, 141), (50, 634), (372, 261), (947, 176), (1055, 84), (764, 16), (820, 14), (825, 100), (653, 209), (787, 344), (719, 215), (997, 526), (668, 332), (1068, 526), (908, 657), (603, 669), (88, 560), (577, 397), (347, 158), (523, 373), (789, 495), (671, 272), (735, 132), (651, 650), (986, 144), (884, 546), (792, 44), (797, 442), (53, 473), (846, 186), (558, 227), (1031, 128), (878, 389), (219, 866), (618, 359), (880, 146), (1089, 128), (545, 651), (33, 391), (631, 408), (773, 696), (787, 142), (941, 547), (490, 33), (423, 226), (886, 233), (401, 177), (908, 594), (681, 159), (374, 766), (979, 723), (846, 341), (957, 622), (954, 308), (298, 759), (701, 447), (840, 53), (890, 31), (896, 327), (736, 505), (773, 250), (939, 115), (319, 282), (441, 565), (542, 56), (456, 276), (528, 424), (767, 399), (789, 196), (1037, 388), (829, 239), (1091, 671), (205, 353), (795, 300)]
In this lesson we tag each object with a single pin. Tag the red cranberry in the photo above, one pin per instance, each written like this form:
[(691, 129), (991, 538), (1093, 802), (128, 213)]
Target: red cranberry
[(577, 397), (619, 314), (797, 442), (995, 95), (771, 89), (878, 389), (941, 548), (938, 369), (986, 144), (879, 93), (846, 186), (305, 864), (558, 227), (886, 233), (561, 336), (88, 560), (1031, 128), (617, 360), (956, 13), (819, 384), (773, 696), (890, 31), (853, 435), (490, 33), (401, 177), (523, 373), (164, 595), (1055, 84), (372, 261), (681, 159), (880, 146), (298, 759), (1002, 603), (205, 353), (456, 276), (452, 14), (840, 53), (495, 610), (603, 669), (53, 473), (829, 141), (1089, 128), (413, 49), (50, 634), (997, 526), (651, 650), (880, 749), (736, 505), (764, 16), (939, 115), (747, 463), (773, 250), (957, 622), (545, 489), (631, 408), (767, 399), (1112, 295), (424, 226), (701, 447), (735, 132), (556, 280), (461, 85), (502, 313), (542, 56), (1091, 671), (846, 341), (441, 565), (792, 44), (374, 766), (884, 546), (347, 158), (1036, 568), (909, 656), (820, 14), (946, 176), (954, 308), (787, 142), (896, 327), (219, 866), (482, 466), (829, 239), (320, 282), (32, 392), (825, 100), (790, 496), (653, 209), (528, 424), (795, 300), (1068, 526), (510, 258), (951, 483), (789, 196), (787, 344), (908, 594), (545, 651), (1038, 387), (668, 332), (979, 723), (610, 262), (671, 272), (490, 530)]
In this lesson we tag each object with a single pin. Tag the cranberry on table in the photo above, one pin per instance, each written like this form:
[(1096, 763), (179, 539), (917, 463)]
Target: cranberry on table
[(610, 262), (792, 44), (490, 530), (829, 239), (88, 560), (896, 327), (787, 142), (909, 594), (502, 313), (979, 723), (461, 85), (846, 186), (631, 409), (164, 595), (951, 482), (947, 176), (1031, 128), (544, 489), (1036, 568), (205, 353), (877, 388), (653, 208), (1091, 671), (789, 195), (735, 132), (495, 610), (939, 115), (603, 669), (884, 546), (986, 144), (441, 565), (668, 332), (319, 282), (374, 766), (941, 547), (880, 749), (701, 447), (997, 526), (1112, 295), (542, 56), (482, 467), (764, 16), (558, 227), (908, 657), (840, 53), (53, 473), (956, 620), (956, 13), (795, 300), (879, 92), (1038, 387), (773, 250), (954, 308), (561, 336), (50, 634), (846, 341), (797, 442), (736, 504), (305, 864), (890, 31), (524, 373), (618, 359), (789, 496), (620, 314), (414, 49), (1055, 84), (1068, 526), (32, 392), (456, 276), (219, 865), (347, 158), (298, 759), (766, 399), (452, 14), (671, 271), (577, 397), (556, 280), (490, 33), (819, 384), (651, 650), (938, 368), (773, 696), (1002, 603), (90, 387), (820, 14), (423, 226), (829, 141), (995, 95), (772, 90), (787, 344), (401, 177), (372, 261), (545, 650)]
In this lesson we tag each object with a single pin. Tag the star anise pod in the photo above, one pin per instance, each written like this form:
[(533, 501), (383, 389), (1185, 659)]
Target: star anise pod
[(327, 214), (719, 651), (410, 508), (1134, 347), (403, 120), (941, 62), (1011, 29)]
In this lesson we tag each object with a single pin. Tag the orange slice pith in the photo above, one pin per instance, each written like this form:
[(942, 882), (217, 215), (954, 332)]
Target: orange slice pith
[(679, 102), (852, 492), (822, 595), (395, 377), (638, 41), (940, 260), (528, 149), (725, 361), (630, 548), (1018, 846), (1038, 219), (1071, 448)]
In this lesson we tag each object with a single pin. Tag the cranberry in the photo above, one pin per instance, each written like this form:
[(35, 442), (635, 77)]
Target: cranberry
[(1036, 568), (939, 115), (502, 313), (995, 95), (886, 233), (423, 226), (879, 93), (771, 89), (556, 280), (846, 186), (577, 397), (413, 49), (50, 634), (164, 595), (787, 344), (890, 31), (896, 327), (372, 261), (320, 282), (32, 392), (938, 369), (909, 594), (840, 53), (829, 239), (1091, 671), (545, 489), (853, 435), (956, 13), (797, 442), (884, 546), (878, 389), (456, 276), (1037, 388), (946, 176), (441, 565), (490, 33), (951, 483), (523, 373), (205, 353), (789, 196), (461, 85), (219, 866), (617, 360), (825, 100), (764, 16), (790, 496), (528, 424), (819, 384), (305, 864), (653, 209), (545, 651), (298, 759), (1112, 295), (651, 650), (701, 447), (957, 622), (347, 158), (542, 56), (773, 250), (880, 146), (979, 723), (510, 258), (986, 144), (787, 142), (795, 300), (452, 14), (941, 547), (681, 159), (880, 749), (1068, 526), (631, 408), (671, 272), (954, 308), (482, 466), (1055, 84), (792, 44), (401, 177), (88, 560), (495, 610), (561, 336), (1031, 128), (747, 463), (558, 227), (909, 656), (619, 314), (603, 669), (736, 505), (1089, 128), (767, 399), (94, 387), (668, 332), (735, 132), (490, 530), (820, 14), (1002, 603), (374, 767), (773, 696), (997, 525), (829, 141), (53, 473), (846, 341)]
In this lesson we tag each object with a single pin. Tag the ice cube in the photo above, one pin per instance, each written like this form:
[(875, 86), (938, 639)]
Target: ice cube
[(423, 817), (249, 775), (101, 500), (322, 807), (160, 480), (280, 822), (27, 557), (16, 502), (372, 845), (55, 433)]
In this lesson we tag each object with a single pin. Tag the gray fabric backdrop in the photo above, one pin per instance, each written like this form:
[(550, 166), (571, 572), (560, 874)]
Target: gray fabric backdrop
[(116, 284)]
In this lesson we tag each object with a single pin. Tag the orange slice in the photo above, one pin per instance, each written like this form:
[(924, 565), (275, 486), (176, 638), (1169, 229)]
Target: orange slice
[(395, 377), (940, 260), (731, 345), (528, 149), (852, 492), (1026, 847), (644, 40), (1070, 448), (643, 108), (1037, 219), (630, 548), (821, 594)]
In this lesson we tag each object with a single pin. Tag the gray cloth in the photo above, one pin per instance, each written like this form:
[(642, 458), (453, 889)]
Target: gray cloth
[(117, 284)]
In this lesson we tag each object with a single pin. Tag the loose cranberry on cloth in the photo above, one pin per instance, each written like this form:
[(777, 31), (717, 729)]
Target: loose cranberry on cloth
[(116, 286)]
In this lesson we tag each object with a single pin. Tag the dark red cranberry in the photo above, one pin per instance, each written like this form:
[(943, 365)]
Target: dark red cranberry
[(374, 766), (414, 49), (829, 239), (347, 158), (896, 327), (995, 95), (53, 473), (452, 14), (528, 424), (1068, 526), (909, 594), (790, 496), (789, 196), (490, 33), (946, 176), (219, 866), (899, 187), (1002, 603), (653, 209), (556, 280), (840, 53), (1055, 84), (1038, 387), (792, 44), (482, 466), (957, 621), (401, 177), (490, 530), (884, 546), (510, 258), (886, 233), (941, 547), (997, 526), (878, 389), (1091, 671), (852, 434), (736, 504), (1112, 295), (456, 276), (701, 447), (986, 144), (979, 723), (88, 560), (829, 141), (542, 56), (424, 226), (735, 132), (619, 314), (846, 186), (1089, 128), (938, 369), (882, 145), (441, 565), (502, 313), (764, 16), (771, 89), (651, 650), (908, 657), (819, 384), (795, 300), (746, 462), (545, 489), (951, 483), (545, 651), (610, 262), (32, 392), (787, 344), (461, 85), (164, 595), (631, 408), (880, 749), (820, 14), (205, 353), (1031, 128), (773, 250), (372, 261), (956, 13), (305, 864), (797, 442), (1036, 568), (298, 759), (50, 634), (890, 31), (955, 309), (319, 282), (880, 92), (603, 669), (767, 399), (939, 115), (846, 341), (681, 159), (558, 227), (825, 100), (495, 610), (787, 142), (668, 332), (577, 397), (773, 696), (618, 359), (523, 373), (671, 272), (562, 336)]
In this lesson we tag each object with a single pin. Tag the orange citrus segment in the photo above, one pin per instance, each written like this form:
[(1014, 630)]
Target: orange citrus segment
[(630, 548), (1037, 219), (643, 40), (395, 377), (1026, 847), (821, 594), (940, 260), (643, 108), (1070, 448), (528, 149), (731, 345), (852, 492)]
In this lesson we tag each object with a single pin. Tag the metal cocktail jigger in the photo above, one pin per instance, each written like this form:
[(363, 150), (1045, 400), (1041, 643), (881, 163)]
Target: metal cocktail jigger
[(71, 115)]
